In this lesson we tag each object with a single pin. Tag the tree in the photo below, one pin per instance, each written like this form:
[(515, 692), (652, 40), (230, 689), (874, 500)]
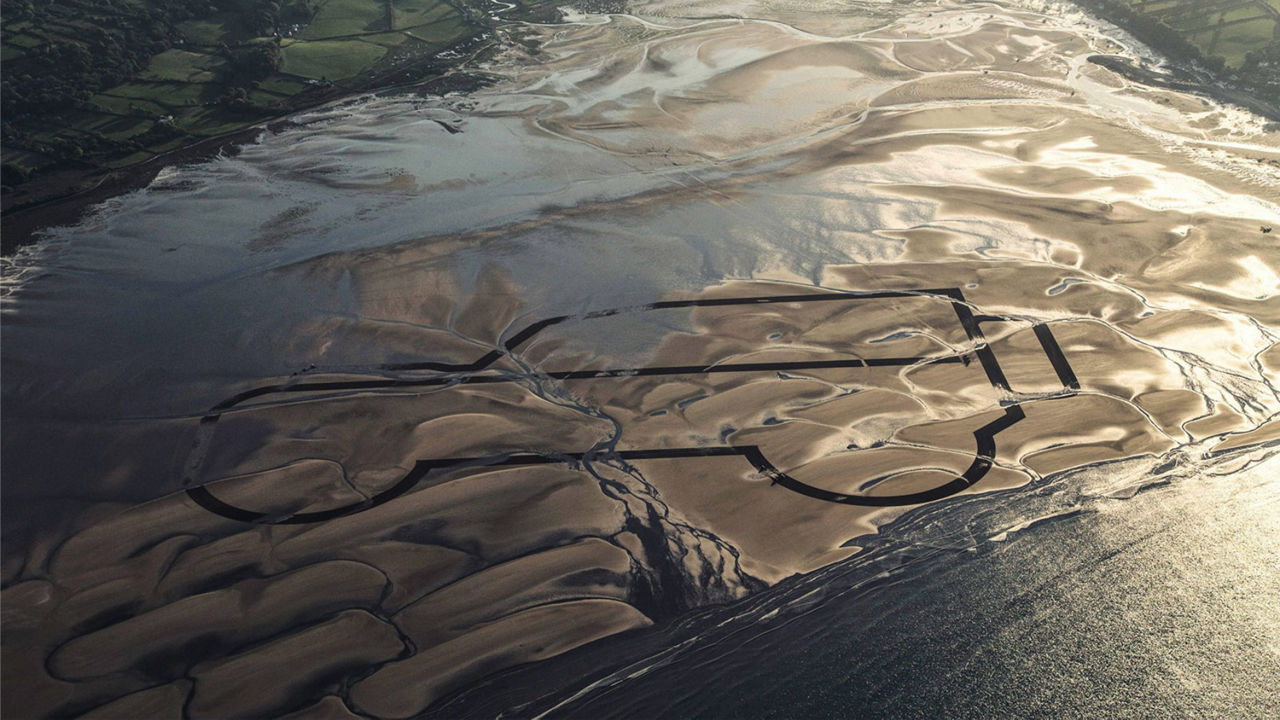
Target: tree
[(248, 65)]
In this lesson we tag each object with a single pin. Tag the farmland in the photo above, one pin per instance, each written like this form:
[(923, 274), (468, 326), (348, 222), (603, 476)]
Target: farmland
[(1228, 29), (92, 85), (1228, 48)]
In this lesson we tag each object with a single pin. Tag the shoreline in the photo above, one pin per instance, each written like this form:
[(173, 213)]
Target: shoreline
[(1124, 66), (22, 224), (62, 198), (67, 200), (1189, 73)]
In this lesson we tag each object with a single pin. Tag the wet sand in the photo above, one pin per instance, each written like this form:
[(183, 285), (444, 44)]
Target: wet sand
[(415, 485)]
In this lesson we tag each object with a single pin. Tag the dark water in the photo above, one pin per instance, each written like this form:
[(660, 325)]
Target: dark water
[(1155, 604)]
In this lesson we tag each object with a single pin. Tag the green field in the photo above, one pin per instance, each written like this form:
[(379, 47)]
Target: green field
[(208, 32), (330, 59), (172, 95), (1227, 29), (182, 66), (127, 106), (439, 31), (408, 13), (343, 18), (109, 81)]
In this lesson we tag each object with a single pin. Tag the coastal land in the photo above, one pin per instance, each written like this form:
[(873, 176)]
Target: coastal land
[(100, 95), (1229, 49)]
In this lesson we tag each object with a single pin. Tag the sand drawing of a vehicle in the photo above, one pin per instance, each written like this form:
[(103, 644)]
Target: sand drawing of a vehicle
[(475, 373)]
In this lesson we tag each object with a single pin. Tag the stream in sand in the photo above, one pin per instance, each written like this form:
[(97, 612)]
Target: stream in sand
[(741, 358)]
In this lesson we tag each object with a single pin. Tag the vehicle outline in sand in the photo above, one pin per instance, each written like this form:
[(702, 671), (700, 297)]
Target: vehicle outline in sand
[(984, 437)]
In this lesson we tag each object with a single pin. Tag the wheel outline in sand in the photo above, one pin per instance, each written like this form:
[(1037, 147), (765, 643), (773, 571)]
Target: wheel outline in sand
[(984, 437)]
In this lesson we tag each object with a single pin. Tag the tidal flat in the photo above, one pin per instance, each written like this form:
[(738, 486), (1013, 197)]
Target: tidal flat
[(705, 323)]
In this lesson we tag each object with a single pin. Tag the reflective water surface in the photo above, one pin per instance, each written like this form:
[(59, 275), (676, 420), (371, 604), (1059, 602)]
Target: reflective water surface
[(627, 397)]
